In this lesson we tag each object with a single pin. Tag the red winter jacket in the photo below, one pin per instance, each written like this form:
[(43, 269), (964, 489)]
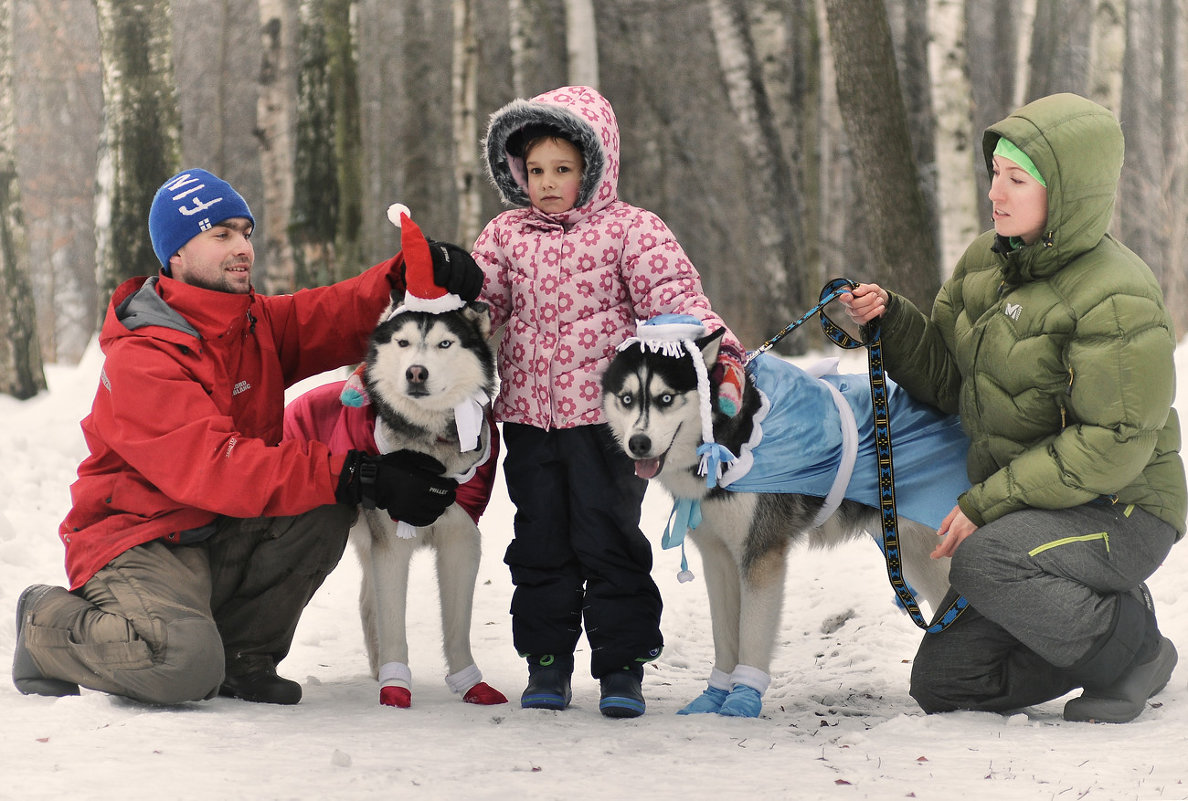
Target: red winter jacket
[(187, 419), (320, 415)]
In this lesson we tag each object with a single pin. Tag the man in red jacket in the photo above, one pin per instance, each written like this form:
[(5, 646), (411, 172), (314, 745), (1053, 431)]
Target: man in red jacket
[(197, 536)]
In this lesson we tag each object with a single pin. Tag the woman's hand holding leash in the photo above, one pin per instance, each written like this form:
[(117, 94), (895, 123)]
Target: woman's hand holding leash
[(865, 302), (954, 528)]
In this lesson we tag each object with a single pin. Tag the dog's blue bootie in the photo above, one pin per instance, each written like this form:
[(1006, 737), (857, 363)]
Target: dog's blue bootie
[(708, 703), (742, 702)]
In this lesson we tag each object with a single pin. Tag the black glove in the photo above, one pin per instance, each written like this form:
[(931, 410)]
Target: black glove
[(408, 485), (455, 270)]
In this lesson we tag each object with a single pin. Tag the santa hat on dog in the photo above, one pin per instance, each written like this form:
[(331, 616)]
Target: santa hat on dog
[(421, 291)]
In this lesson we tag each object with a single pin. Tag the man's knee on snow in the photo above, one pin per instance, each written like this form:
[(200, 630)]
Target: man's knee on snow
[(189, 667)]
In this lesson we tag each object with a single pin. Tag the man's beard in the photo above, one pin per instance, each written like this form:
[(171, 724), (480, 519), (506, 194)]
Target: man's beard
[(224, 283)]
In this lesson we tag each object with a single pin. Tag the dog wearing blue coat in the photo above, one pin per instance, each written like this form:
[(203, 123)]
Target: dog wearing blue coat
[(797, 463)]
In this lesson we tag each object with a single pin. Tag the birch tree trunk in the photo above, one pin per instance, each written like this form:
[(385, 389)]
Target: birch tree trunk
[(788, 45), (910, 37), (995, 55), (906, 252), (956, 140), (1061, 37), (1174, 81), (843, 224), (21, 373), (275, 123), (581, 38), (348, 135), (316, 198), (1106, 53), (775, 207), (1141, 214), (467, 178), (1027, 14), (140, 145), (56, 73), (540, 46), (519, 43)]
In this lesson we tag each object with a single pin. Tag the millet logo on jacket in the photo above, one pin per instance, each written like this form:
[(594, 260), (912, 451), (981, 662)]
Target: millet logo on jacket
[(1013, 310)]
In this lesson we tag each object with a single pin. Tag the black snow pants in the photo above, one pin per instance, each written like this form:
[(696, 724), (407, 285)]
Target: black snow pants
[(578, 553)]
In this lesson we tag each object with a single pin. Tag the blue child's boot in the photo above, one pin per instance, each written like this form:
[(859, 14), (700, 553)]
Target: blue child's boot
[(622, 693), (549, 680)]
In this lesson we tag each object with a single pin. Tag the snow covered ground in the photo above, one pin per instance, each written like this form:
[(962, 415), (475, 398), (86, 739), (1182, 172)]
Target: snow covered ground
[(837, 722)]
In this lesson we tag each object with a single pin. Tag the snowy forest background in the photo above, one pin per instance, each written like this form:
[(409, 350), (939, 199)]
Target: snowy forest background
[(786, 142)]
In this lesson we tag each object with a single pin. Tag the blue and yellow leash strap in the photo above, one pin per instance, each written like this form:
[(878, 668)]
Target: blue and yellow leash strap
[(882, 427)]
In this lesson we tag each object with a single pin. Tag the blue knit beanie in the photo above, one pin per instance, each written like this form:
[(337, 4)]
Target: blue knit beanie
[(188, 204)]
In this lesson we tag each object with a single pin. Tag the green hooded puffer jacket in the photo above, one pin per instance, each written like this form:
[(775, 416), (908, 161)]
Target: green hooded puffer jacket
[(1059, 355)]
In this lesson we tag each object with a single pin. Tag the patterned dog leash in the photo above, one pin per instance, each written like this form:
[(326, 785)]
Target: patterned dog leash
[(882, 429)]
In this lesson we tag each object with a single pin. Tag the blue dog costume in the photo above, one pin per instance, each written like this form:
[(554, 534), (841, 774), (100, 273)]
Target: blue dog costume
[(801, 435), (814, 435)]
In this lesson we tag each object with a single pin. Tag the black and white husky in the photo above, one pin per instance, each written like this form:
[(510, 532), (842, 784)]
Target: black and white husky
[(653, 405), (429, 377), (425, 386)]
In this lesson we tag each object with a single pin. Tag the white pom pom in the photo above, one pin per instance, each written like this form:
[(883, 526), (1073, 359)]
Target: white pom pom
[(685, 576), (394, 212)]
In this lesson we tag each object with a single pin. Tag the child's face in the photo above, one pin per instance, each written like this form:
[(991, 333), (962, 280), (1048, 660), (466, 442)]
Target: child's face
[(1020, 201), (554, 174)]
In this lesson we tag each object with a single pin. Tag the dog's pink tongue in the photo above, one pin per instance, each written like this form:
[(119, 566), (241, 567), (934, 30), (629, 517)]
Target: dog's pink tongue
[(647, 468)]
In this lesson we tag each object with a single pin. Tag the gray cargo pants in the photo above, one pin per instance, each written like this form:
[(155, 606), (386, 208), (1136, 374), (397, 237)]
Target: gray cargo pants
[(162, 624), (1045, 589)]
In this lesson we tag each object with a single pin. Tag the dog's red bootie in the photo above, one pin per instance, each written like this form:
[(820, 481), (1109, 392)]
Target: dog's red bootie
[(468, 683), (484, 694), (396, 696)]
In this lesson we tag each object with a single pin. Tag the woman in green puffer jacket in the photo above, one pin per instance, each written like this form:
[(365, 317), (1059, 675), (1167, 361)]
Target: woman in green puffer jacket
[(1052, 342)]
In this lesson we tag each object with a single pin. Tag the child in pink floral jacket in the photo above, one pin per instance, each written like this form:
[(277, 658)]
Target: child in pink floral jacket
[(570, 271)]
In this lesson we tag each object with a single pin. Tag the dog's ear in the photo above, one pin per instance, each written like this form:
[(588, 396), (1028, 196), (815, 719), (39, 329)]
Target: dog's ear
[(709, 345), (393, 304), (479, 313)]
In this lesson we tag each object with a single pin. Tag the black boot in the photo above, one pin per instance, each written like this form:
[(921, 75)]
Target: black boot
[(256, 680), (622, 693), (26, 676), (549, 680), (1132, 664)]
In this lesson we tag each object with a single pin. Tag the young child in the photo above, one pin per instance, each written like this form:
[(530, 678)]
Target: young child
[(570, 271)]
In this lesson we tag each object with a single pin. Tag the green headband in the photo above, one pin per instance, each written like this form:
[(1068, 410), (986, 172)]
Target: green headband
[(1007, 149)]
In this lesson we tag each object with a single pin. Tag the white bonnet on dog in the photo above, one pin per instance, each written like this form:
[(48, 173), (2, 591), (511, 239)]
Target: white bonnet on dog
[(675, 335)]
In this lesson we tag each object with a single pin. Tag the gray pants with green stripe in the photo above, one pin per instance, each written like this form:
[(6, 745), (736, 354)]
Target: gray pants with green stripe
[(163, 623), (1045, 589)]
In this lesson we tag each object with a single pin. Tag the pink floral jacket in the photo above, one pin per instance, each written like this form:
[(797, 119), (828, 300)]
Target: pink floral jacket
[(571, 286)]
